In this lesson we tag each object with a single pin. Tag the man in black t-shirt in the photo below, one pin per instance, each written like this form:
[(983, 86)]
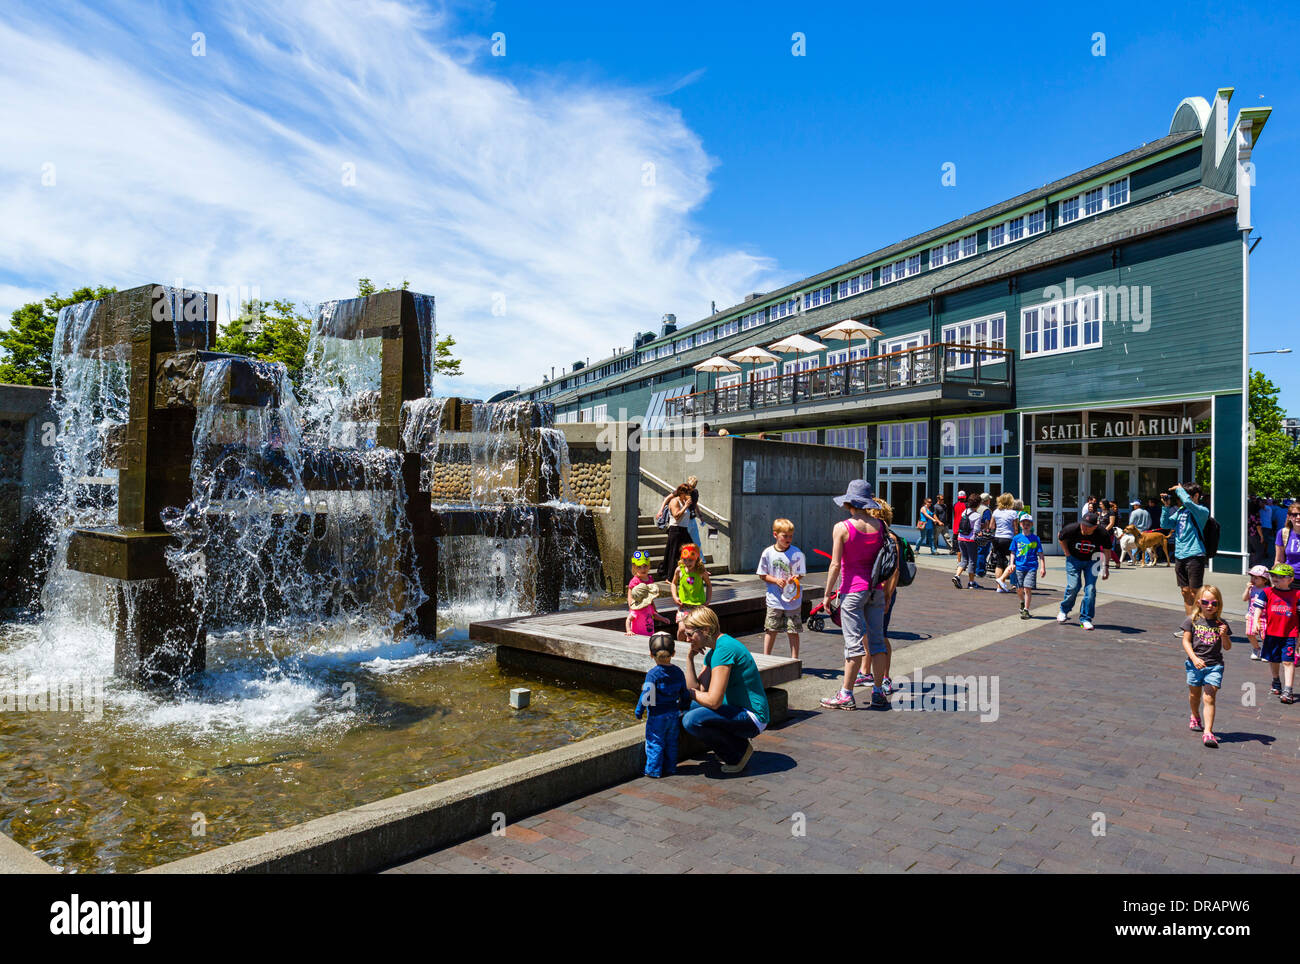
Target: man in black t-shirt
[(1086, 546), (940, 510)]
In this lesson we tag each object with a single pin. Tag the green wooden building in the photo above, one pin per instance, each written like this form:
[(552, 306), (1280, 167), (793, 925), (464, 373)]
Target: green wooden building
[(1086, 337)]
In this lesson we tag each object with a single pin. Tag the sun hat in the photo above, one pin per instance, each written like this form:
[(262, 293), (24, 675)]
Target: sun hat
[(1135, 502), (1258, 571), (1282, 569), (1025, 517), (860, 495), (640, 558), (644, 595)]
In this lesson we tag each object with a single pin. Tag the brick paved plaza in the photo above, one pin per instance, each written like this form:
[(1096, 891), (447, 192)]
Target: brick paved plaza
[(1090, 727)]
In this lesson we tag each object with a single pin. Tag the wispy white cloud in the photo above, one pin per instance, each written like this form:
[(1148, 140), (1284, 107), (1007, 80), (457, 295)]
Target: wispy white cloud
[(566, 204)]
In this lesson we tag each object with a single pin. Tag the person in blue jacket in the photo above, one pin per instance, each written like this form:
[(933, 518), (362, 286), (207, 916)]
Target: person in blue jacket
[(1187, 520), (663, 694)]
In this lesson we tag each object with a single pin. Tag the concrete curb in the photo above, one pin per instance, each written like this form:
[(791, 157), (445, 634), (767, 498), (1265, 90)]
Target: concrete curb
[(377, 835), (17, 859)]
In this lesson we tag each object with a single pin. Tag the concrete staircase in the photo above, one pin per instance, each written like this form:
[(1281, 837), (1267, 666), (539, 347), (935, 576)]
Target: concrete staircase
[(650, 538)]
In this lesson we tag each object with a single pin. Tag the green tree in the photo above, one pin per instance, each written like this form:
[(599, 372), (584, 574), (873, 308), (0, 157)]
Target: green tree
[(444, 362), (268, 331), (1272, 462), (27, 346), (1265, 412)]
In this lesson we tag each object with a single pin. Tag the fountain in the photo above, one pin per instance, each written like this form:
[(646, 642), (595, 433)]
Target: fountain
[(238, 504)]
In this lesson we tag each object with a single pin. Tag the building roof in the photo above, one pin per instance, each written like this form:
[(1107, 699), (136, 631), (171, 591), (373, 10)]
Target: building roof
[(919, 240), (1099, 231)]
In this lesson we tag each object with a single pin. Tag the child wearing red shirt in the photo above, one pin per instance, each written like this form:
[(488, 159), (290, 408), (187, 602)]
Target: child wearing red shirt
[(1281, 627)]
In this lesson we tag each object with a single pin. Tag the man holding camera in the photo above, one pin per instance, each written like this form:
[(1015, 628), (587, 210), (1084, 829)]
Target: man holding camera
[(1186, 517)]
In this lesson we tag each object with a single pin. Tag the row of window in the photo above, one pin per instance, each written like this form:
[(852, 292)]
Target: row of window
[(980, 435), (1061, 326), (987, 332), (1093, 202), (1013, 229), (953, 251), (903, 440), (899, 270), (855, 285), (815, 299), (751, 320)]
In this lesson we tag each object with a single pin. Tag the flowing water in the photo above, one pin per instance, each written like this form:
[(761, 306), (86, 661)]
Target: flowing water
[(313, 700)]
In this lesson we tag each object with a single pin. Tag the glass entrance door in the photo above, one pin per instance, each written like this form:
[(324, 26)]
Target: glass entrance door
[(1058, 493)]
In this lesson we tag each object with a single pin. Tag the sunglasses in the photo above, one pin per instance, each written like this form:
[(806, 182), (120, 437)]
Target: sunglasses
[(1207, 602)]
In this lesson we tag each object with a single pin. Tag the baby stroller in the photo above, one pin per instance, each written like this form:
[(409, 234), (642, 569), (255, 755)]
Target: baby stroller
[(817, 617), (826, 608)]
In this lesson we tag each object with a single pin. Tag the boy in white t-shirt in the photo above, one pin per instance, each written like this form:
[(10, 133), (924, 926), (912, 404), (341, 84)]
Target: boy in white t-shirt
[(781, 567)]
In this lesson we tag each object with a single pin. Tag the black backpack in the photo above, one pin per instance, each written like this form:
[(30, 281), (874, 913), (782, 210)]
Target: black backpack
[(964, 526), (1210, 537), (886, 559)]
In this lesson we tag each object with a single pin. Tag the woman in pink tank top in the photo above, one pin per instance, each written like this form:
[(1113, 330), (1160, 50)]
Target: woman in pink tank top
[(855, 544)]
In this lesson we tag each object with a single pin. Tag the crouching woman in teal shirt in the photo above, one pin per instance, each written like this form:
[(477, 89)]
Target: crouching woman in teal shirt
[(730, 707)]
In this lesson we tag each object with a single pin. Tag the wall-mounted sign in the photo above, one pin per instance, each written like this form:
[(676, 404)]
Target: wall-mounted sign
[(1072, 427), (975, 392), (749, 476)]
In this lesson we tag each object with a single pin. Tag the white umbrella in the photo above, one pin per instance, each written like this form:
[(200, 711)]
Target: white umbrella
[(798, 344), (717, 364), (753, 354), (848, 329)]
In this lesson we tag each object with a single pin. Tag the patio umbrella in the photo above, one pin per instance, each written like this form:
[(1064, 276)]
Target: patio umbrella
[(716, 364), (753, 354), (848, 329)]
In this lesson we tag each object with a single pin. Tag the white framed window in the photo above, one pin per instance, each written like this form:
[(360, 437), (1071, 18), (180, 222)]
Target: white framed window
[(801, 364), (783, 310), (903, 440), (809, 437), (1036, 222), (584, 415), (704, 337), (818, 297), (849, 438), (728, 328), (886, 273), (969, 245), (855, 285), (752, 320), (997, 235), (1055, 327), (989, 331), (684, 343), (600, 413), (727, 381), (758, 374), (936, 256), (913, 265), (842, 355), (1094, 201), (979, 436)]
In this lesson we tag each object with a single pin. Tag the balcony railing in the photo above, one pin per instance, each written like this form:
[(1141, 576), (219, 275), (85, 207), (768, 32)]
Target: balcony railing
[(938, 364)]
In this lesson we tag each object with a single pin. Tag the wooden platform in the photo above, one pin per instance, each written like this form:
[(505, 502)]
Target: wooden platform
[(592, 640)]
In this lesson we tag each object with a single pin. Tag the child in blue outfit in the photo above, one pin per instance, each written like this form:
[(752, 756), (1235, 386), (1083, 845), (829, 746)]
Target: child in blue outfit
[(663, 694)]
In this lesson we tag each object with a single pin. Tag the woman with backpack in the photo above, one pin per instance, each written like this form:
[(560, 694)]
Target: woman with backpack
[(969, 530), (854, 579), (677, 506)]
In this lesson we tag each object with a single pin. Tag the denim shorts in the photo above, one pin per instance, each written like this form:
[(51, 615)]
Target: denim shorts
[(1212, 675), (1027, 578), (862, 616), (1277, 649)]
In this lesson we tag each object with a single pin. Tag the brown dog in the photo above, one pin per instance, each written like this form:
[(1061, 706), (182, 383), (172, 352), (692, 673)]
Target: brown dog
[(1149, 543)]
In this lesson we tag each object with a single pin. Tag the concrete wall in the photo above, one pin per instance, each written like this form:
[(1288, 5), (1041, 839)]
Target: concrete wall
[(792, 480), (27, 473)]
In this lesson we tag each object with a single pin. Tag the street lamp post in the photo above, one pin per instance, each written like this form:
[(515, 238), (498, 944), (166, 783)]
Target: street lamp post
[(1273, 351)]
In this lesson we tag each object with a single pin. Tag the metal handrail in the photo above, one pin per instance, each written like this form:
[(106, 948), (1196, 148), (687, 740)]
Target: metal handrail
[(700, 507), (926, 364)]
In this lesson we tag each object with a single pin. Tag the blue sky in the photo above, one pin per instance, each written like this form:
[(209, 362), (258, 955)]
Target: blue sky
[(513, 187)]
